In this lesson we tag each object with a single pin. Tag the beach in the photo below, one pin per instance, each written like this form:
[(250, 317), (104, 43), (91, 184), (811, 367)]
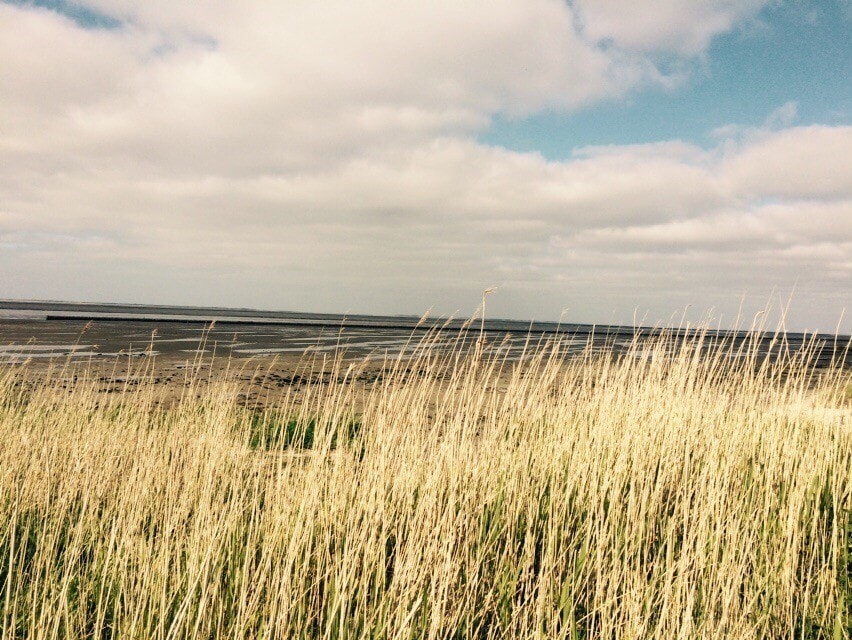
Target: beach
[(450, 489)]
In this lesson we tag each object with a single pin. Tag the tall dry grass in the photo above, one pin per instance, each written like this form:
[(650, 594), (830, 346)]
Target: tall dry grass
[(674, 492)]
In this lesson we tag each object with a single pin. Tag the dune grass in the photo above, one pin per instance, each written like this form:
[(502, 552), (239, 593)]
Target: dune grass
[(673, 492)]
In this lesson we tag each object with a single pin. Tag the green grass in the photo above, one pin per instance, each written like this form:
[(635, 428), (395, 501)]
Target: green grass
[(270, 429)]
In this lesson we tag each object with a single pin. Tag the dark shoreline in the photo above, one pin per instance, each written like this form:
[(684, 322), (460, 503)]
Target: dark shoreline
[(28, 326)]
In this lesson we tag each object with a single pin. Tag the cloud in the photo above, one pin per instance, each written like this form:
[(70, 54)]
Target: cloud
[(621, 219), (323, 156), (783, 116), (676, 26), (799, 162), (191, 87)]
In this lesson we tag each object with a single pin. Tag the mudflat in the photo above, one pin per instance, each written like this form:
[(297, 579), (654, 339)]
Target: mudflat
[(262, 366), (271, 362)]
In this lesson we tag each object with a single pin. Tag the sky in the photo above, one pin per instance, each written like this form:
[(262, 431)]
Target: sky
[(598, 161)]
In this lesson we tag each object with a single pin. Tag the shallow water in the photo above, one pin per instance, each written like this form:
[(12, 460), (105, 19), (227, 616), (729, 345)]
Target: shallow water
[(58, 330)]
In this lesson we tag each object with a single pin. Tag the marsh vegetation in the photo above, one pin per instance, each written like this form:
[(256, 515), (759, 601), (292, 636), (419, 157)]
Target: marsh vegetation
[(681, 490)]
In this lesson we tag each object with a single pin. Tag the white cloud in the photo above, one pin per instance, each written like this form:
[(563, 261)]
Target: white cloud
[(322, 156), (783, 116), (678, 26), (800, 162)]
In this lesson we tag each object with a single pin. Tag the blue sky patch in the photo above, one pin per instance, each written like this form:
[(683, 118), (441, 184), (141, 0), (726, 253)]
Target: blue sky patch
[(793, 53), (81, 15)]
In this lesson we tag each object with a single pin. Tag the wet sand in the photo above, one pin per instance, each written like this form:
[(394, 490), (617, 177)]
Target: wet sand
[(99, 339), (262, 365), (255, 383), (264, 361)]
